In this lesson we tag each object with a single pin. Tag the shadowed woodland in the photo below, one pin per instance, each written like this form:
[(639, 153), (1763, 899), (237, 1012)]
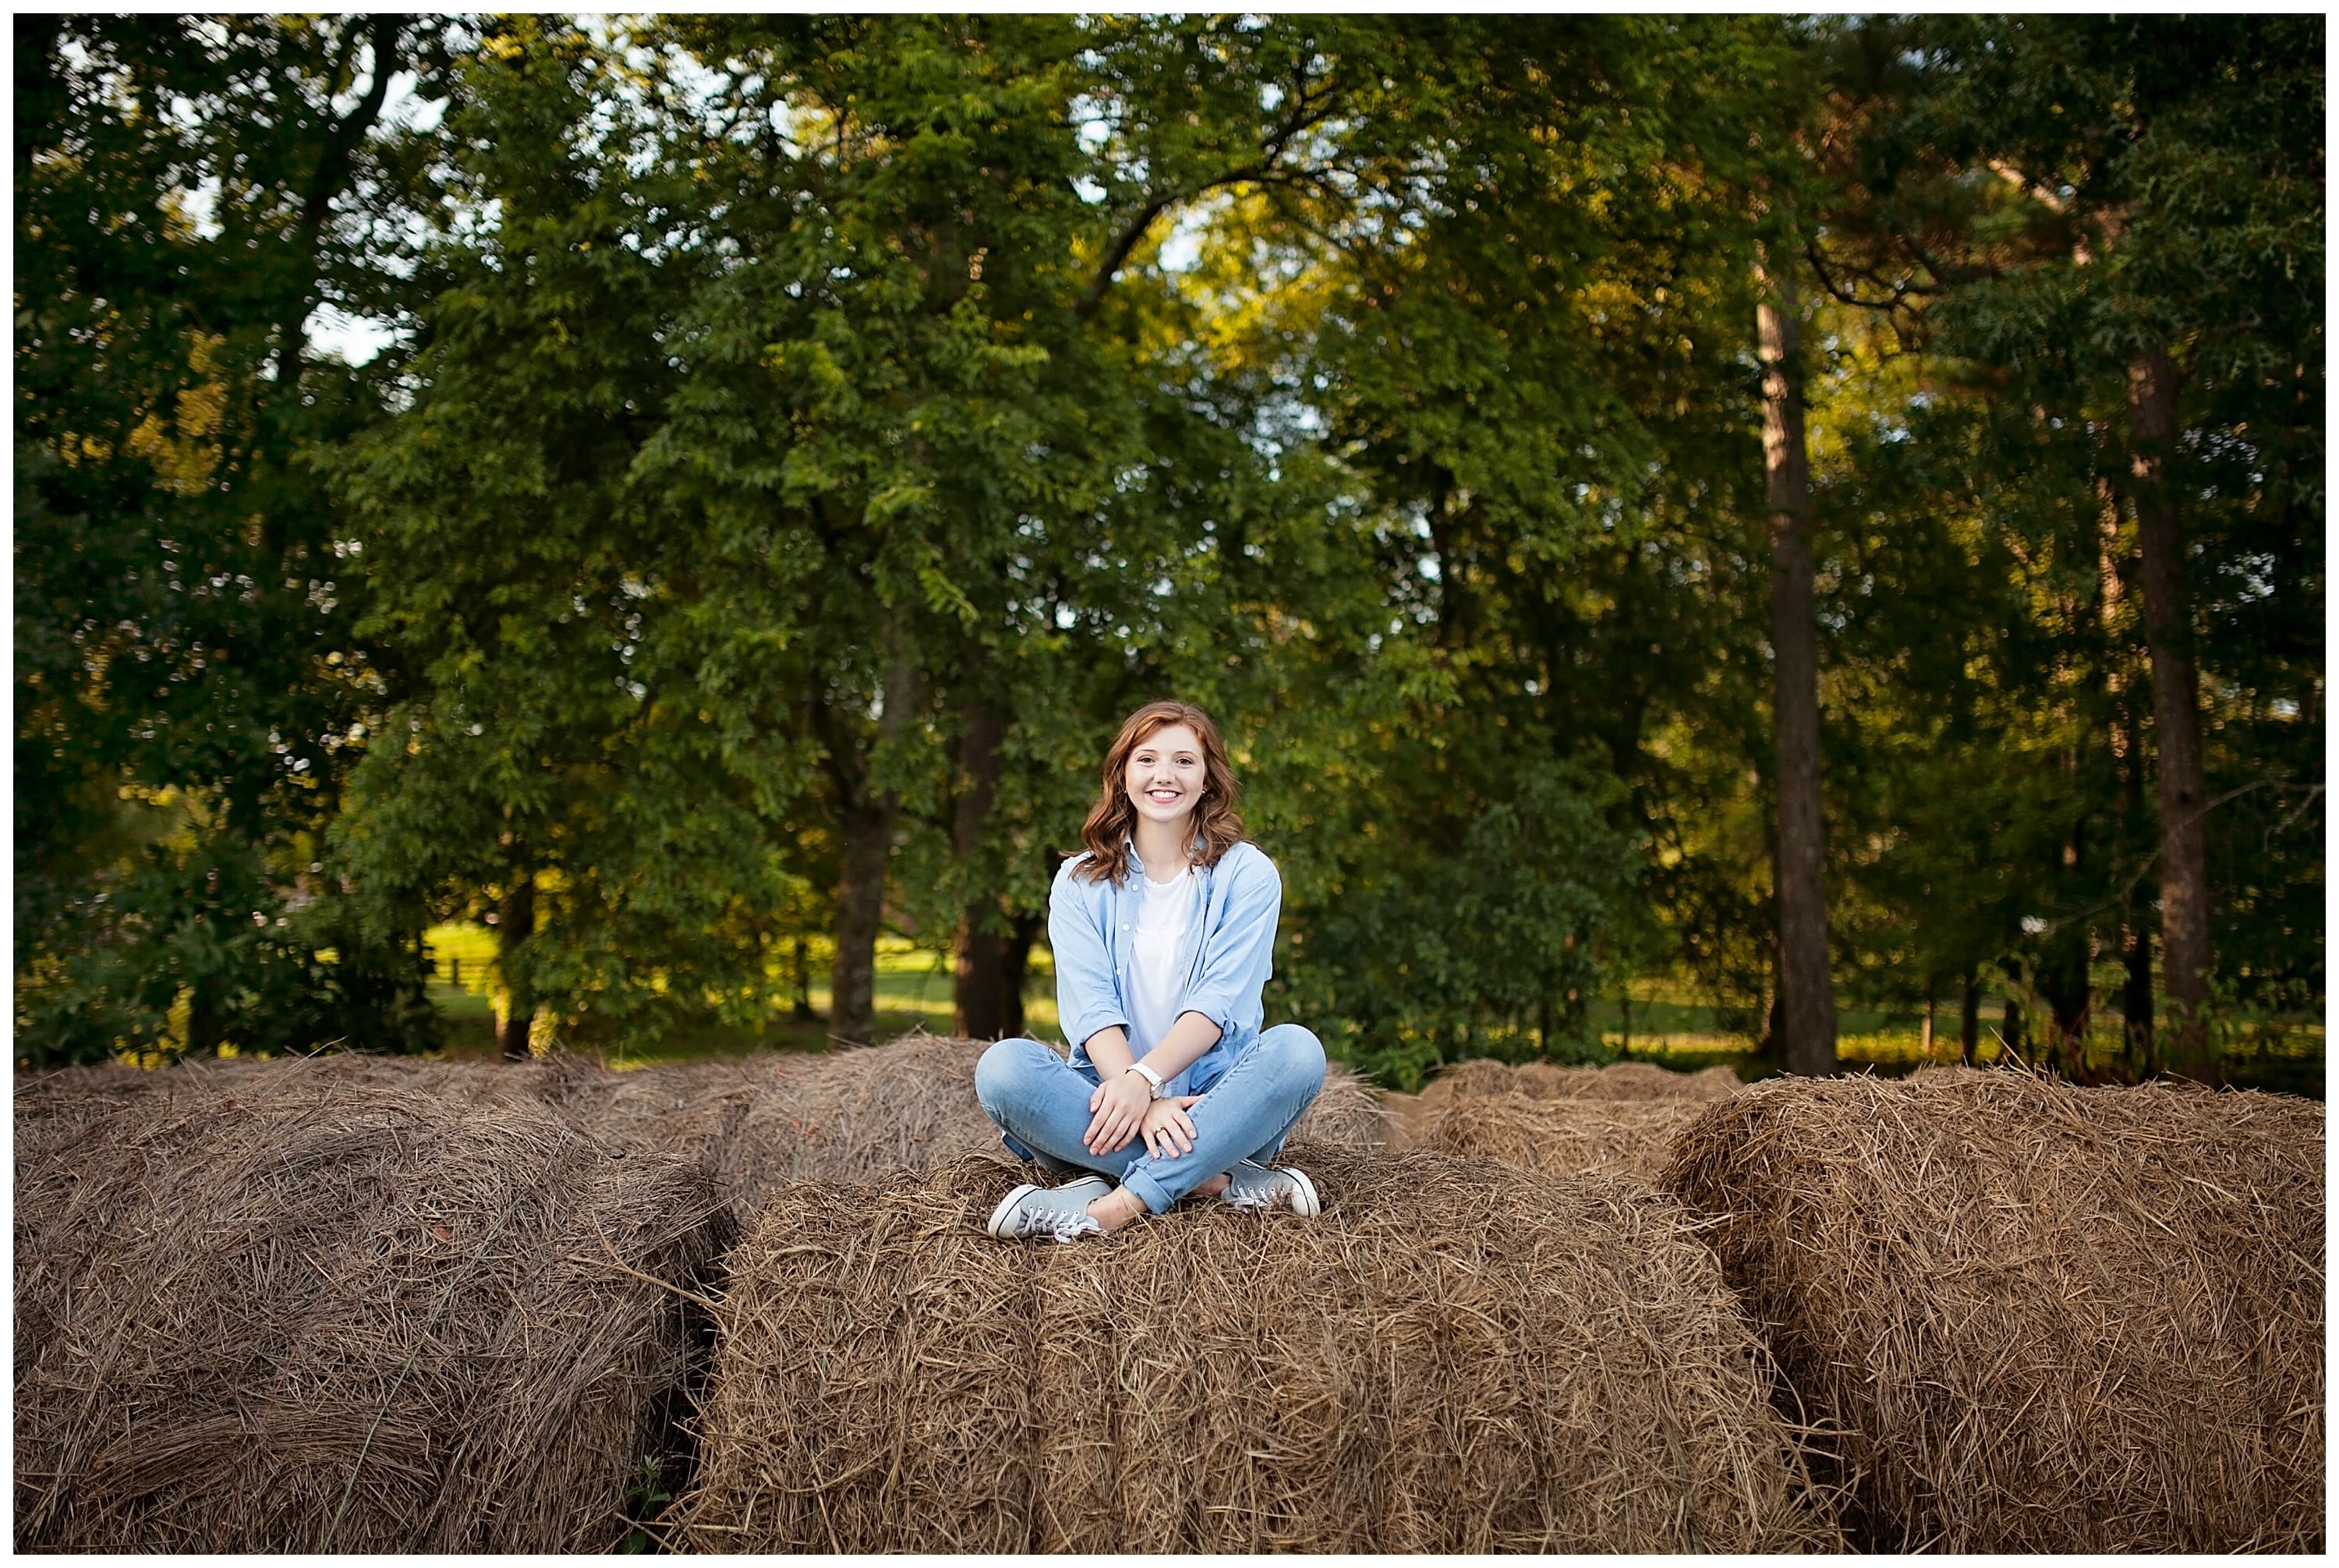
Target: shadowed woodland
[(1822, 514)]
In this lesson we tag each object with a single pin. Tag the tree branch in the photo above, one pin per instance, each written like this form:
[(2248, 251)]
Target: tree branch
[(332, 171), (1306, 115)]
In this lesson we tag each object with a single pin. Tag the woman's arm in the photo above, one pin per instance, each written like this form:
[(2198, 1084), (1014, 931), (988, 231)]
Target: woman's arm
[(1181, 1048), (1240, 950), (1088, 1002), (1087, 1006)]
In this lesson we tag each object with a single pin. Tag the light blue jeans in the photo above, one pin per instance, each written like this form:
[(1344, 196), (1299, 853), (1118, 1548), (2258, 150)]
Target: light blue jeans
[(1039, 1103)]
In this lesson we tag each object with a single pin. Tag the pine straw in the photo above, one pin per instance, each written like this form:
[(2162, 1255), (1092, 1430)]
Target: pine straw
[(2045, 1318), (1444, 1361), (856, 1115), (1561, 1136), (1547, 1080), (279, 1311)]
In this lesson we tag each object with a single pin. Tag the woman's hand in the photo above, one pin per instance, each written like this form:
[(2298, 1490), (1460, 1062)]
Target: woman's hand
[(1119, 1105), (1168, 1130)]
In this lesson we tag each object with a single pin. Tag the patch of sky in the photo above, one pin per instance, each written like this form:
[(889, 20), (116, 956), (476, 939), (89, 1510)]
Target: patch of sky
[(1182, 248), (352, 340)]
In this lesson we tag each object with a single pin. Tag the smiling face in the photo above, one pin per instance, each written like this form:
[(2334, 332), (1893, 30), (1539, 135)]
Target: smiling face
[(1165, 777)]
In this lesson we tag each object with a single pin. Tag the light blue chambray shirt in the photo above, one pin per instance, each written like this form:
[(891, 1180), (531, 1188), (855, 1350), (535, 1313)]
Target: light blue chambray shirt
[(1092, 926)]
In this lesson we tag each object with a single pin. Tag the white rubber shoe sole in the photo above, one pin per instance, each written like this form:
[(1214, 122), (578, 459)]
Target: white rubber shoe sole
[(1058, 1212), (1281, 1186)]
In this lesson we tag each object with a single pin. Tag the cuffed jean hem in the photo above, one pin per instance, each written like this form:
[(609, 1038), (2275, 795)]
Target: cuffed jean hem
[(1039, 1101)]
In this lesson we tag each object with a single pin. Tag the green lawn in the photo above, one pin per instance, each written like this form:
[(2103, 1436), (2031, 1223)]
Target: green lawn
[(1668, 1024), (1671, 1029), (914, 991)]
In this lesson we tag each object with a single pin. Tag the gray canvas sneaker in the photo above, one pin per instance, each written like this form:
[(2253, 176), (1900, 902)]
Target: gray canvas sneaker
[(1251, 1186), (1061, 1212)]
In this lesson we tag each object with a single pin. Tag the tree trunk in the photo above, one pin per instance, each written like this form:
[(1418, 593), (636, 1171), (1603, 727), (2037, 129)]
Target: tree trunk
[(2177, 719), (1807, 991), (981, 991), (2011, 1023), (2136, 997), (865, 821), (1969, 1019), (867, 842), (1015, 968), (2128, 761), (2063, 981), (515, 923), (983, 995), (803, 960)]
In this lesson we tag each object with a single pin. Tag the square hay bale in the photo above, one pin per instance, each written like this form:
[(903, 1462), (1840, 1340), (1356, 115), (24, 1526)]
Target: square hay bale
[(1548, 1080), (282, 1312), (2042, 1318), (1446, 1360), (855, 1115), (1561, 1136)]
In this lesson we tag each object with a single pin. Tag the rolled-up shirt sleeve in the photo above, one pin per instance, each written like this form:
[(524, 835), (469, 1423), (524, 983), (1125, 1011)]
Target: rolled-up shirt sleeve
[(1239, 950), (1087, 999)]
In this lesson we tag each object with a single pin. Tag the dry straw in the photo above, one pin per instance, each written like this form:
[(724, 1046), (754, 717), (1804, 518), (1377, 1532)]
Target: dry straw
[(757, 1121), (286, 1311), (1561, 1136), (1547, 1081), (2044, 1318), (856, 1115), (1447, 1360)]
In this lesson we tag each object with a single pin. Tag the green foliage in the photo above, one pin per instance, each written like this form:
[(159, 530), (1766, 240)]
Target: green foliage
[(185, 593), (806, 437)]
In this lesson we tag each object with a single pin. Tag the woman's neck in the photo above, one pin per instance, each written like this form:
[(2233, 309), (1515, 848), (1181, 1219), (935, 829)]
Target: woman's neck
[(1163, 846)]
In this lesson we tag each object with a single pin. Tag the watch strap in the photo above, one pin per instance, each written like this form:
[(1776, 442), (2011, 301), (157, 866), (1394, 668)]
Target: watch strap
[(1151, 1077)]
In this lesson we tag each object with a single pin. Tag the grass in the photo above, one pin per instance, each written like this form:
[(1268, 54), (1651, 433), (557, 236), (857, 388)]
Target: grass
[(1672, 1030), (914, 991), (1668, 1024)]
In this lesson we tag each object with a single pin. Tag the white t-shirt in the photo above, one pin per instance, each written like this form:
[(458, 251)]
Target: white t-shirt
[(1157, 979)]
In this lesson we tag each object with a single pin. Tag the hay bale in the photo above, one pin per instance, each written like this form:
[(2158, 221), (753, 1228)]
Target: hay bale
[(1561, 1136), (2044, 1318), (1548, 1080), (1629, 1080), (1440, 1363), (756, 1121), (278, 1311), (1346, 1115), (1476, 1075), (856, 1115)]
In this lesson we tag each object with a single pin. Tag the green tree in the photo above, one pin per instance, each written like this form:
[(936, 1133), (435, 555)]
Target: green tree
[(2108, 232), (590, 760), (190, 191)]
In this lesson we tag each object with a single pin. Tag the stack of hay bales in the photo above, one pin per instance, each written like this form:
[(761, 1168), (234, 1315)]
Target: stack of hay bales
[(757, 1121), (1561, 1136), (284, 1311), (1442, 1362), (1567, 1121), (2039, 1318), (855, 1115), (1548, 1080)]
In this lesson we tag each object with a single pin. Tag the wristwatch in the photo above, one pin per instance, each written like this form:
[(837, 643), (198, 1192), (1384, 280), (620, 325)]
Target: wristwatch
[(1151, 1077)]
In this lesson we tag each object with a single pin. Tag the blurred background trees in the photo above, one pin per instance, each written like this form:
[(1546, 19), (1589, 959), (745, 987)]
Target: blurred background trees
[(692, 499)]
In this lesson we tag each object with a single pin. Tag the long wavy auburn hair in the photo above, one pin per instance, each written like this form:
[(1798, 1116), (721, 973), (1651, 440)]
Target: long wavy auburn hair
[(1217, 826)]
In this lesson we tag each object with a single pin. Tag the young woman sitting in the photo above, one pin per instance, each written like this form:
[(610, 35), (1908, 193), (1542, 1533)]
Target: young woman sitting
[(1163, 930)]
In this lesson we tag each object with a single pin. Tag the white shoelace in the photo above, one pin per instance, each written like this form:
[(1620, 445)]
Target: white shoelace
[(1264, 1194), (1056, 1223)]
